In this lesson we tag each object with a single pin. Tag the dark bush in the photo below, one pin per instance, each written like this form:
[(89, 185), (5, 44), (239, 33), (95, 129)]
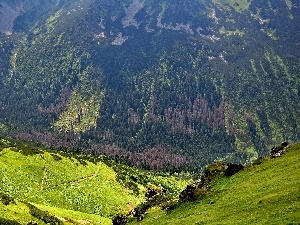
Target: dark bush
[(32, 223), (6, 199), (156, 200), (169, 206), (233, 169), (150, 192), (188, 194), (284, 144), (210, 173), (8, 222), (139, 211), (199, 188), (26, 150), (119, 220), (30, 151), (56, 157), (277, 151)]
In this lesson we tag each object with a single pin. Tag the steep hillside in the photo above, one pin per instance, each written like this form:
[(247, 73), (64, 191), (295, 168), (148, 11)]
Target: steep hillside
[(267, 193), (70, 186), (16, 212), (164, 85)]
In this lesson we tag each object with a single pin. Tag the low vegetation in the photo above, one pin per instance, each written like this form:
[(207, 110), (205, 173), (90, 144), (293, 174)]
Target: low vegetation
[(266, 192), (42, 184), (46, 187)]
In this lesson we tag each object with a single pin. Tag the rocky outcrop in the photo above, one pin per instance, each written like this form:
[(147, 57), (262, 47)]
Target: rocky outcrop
[(277, 151)]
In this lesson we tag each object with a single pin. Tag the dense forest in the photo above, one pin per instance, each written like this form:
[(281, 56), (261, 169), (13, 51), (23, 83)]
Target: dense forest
[(163, 85)]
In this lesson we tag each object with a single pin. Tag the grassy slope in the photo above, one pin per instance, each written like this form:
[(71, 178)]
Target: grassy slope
[(65, 186), (268, 193), (20, 213), (29, 171)]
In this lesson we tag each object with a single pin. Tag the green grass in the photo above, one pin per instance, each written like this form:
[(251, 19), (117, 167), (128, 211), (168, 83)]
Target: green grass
[(74, 216), (39, 185), (90, 188), (268, 193), (20, 213), (71, 186)]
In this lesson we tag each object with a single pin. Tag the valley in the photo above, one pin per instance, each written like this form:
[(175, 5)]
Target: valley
[(115, 111)]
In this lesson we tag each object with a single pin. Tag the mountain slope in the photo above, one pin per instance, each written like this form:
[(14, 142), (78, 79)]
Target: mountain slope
[(267, 193), (186, 82), (20, 212), (71, 185)]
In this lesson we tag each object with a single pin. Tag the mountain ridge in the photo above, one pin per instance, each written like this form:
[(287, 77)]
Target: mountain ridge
[(221, 81)]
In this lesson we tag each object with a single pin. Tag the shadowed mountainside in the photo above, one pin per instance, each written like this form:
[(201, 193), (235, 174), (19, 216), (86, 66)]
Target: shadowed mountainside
[(164, 85)]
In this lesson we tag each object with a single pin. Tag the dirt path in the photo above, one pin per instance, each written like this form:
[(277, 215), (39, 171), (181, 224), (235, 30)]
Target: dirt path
[(94, 175), (44, 178)]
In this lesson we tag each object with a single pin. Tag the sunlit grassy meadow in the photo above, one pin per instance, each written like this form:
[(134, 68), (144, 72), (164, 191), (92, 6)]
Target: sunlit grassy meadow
[(70, 186), (268, 193)]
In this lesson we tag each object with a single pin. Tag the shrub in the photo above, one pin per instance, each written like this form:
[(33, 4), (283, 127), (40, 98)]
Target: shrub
[(169, 206), (210, 173), (8, 222), (6, 199), (56, 157), (32, 223), (150, 192), (153, 190), (199, 188), (156, 200), (277, 151), (188, 194), (232, 169), (119, 220)]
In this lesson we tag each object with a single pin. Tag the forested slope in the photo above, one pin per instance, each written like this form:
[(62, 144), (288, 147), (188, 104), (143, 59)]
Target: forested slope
[(164, 85)]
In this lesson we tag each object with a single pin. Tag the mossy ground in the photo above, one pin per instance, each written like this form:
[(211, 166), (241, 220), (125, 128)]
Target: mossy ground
[(268, 193)]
